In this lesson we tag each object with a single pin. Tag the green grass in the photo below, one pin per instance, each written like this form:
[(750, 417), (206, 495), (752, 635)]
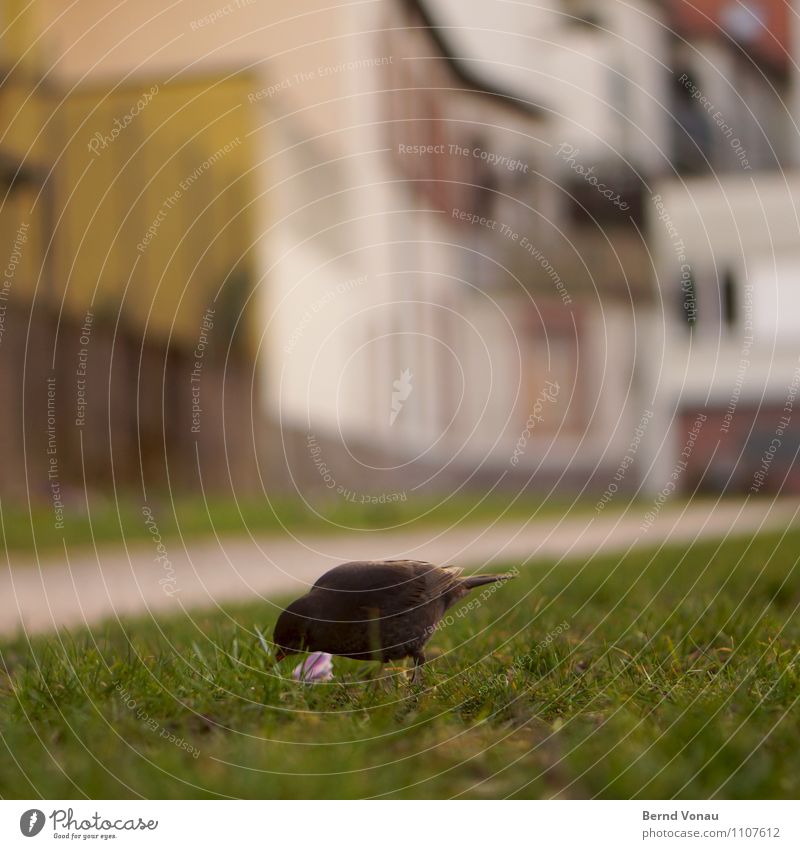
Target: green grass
[(677, 676), (108, 523)]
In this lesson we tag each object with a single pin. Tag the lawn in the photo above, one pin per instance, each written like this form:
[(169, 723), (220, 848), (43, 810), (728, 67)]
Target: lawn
[(104, 521), (655, 675)]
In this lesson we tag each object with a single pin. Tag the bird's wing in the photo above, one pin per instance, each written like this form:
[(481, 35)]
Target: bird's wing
[(361, 575), (390, 586)]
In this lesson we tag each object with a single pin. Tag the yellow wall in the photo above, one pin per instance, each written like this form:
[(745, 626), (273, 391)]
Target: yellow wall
[(23, 142), (100, 200), (22, 39), (146, 177), (23, 61)]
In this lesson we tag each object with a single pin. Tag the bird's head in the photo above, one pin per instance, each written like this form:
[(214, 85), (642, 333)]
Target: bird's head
[(291, 632)]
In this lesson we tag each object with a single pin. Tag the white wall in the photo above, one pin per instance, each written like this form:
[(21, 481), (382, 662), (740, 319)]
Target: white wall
[(750, 226), (583, 74)]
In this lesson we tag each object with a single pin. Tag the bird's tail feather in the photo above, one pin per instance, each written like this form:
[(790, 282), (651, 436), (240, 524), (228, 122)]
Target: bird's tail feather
[(472, 581)]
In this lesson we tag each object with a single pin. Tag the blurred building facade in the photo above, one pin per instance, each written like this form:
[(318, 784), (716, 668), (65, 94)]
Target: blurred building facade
[(685, 111), (490, 295), (25, 162), (127, 225), (437, 238), (725, 232)]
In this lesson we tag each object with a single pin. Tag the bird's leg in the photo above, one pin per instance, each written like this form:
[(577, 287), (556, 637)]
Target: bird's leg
[(419, 662)]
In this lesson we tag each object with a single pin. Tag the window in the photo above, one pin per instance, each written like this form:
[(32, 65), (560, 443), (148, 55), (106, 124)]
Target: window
[(730, 300), (691, 133), (580, 12)]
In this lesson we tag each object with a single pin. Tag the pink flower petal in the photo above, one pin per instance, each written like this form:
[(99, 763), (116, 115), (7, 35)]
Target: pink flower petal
[(318, 666)]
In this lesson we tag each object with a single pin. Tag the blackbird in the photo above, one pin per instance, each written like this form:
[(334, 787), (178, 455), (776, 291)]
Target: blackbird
[(374, 610)]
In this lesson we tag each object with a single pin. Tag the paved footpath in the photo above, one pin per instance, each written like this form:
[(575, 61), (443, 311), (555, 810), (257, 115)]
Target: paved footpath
[(86, 587)]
